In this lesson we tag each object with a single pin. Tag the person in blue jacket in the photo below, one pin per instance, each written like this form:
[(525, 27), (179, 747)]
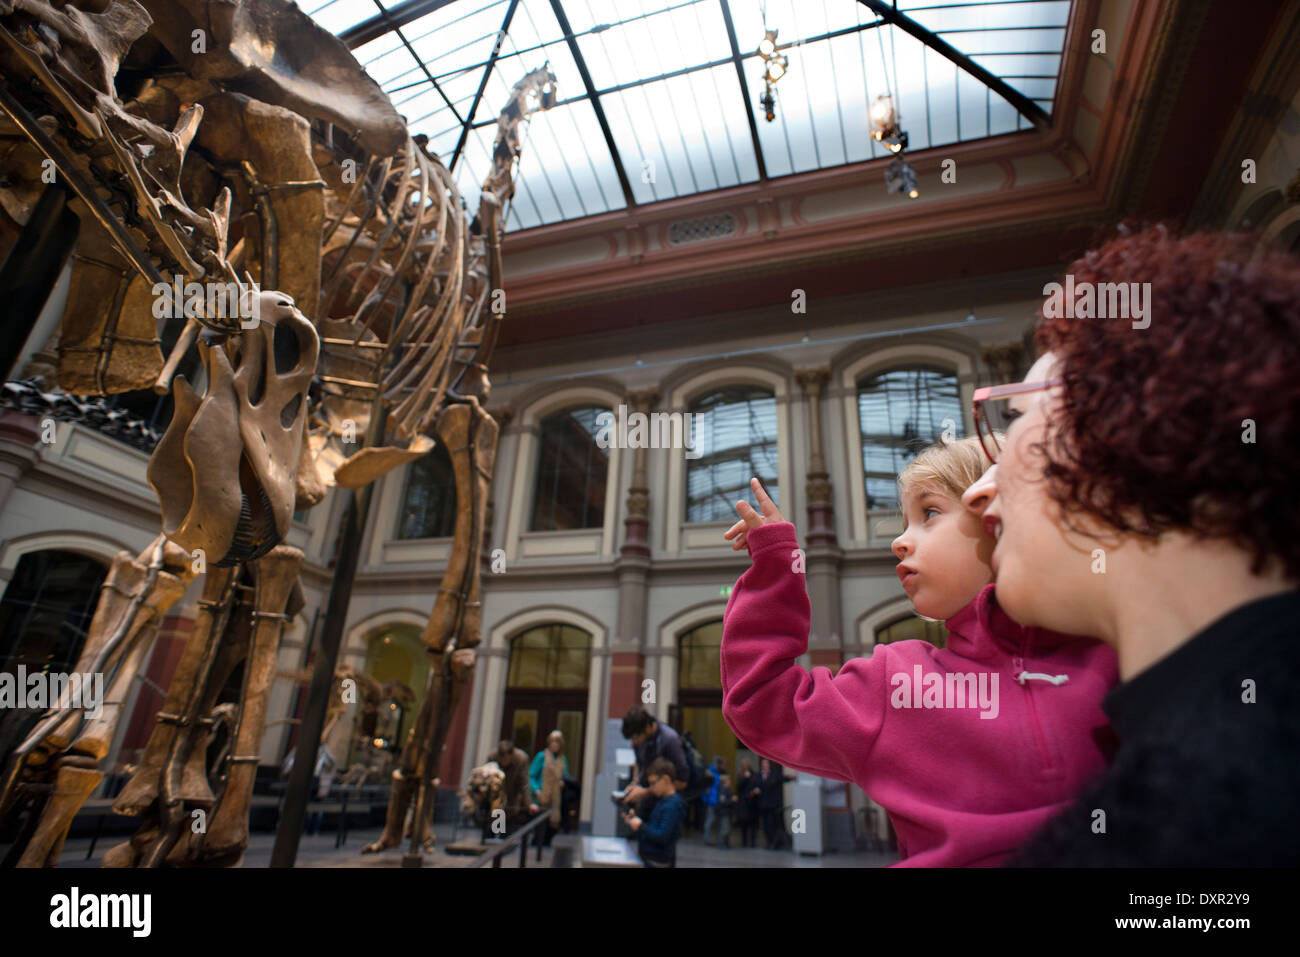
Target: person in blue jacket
[(546, 779), (712, 810), (657, 837)]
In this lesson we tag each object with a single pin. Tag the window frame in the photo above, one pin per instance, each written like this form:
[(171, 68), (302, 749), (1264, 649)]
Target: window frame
[(858, 389), (535, 471), (781, 493), (408, 473), (876, 528), (682, 537)]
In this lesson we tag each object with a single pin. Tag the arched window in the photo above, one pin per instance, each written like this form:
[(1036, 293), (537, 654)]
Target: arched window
[(913, 626), (550, 656), (396, 655), (429, 501), (900, 412), (699, 663), (735, 436), (46, 610), (546, 689), (571, 472)]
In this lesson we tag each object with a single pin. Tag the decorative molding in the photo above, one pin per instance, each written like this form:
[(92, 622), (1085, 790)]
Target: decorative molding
[(98, 547), (665, 648), (700, 229), (875, 618)]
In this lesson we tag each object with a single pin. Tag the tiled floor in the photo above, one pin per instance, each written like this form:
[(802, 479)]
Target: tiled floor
[(319, 851)]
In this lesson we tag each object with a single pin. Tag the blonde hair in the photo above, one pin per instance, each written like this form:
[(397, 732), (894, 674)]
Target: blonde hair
[(947, 467)]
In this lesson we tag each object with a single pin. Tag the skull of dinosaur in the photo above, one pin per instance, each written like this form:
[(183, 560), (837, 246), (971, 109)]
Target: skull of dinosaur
[(225, 469)]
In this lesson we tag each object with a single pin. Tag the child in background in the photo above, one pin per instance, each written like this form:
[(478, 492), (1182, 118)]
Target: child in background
[(726, 801), (657, 838), (969, 748)]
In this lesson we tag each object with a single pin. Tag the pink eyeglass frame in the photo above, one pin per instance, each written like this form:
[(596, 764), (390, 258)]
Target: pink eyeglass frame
[(983, 428)]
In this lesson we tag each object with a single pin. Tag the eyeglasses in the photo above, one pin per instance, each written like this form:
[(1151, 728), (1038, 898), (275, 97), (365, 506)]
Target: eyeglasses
[(996, 396)]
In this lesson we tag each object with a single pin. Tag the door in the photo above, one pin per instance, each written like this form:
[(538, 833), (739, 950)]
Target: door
[(531, 715), (546, 690)]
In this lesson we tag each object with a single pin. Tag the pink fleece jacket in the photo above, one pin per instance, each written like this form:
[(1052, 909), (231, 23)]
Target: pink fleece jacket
[(967, 760)]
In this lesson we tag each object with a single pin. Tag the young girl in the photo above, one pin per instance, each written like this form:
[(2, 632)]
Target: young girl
[(970, 748)]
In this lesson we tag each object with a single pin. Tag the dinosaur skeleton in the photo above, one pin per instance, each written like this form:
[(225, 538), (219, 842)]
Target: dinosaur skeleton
[(278, 131)]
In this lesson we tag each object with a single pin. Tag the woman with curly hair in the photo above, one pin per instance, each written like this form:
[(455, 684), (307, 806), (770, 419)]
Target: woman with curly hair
[(1146, 493)]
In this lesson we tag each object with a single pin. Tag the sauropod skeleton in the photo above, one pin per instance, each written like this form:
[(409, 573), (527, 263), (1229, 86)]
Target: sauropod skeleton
[(370, 343)]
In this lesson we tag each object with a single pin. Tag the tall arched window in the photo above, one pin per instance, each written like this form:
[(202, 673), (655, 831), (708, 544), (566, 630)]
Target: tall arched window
[(913, 626), (46, 610), (571, 472), (900, 412), (735, 436), (396, 654), (429, 501), (546, 689)]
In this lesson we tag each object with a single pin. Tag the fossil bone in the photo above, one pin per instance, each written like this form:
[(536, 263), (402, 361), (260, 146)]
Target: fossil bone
[(404, 323)]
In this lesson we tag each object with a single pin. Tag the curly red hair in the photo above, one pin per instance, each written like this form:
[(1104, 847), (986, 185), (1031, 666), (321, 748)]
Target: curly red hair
[(1154, 436)]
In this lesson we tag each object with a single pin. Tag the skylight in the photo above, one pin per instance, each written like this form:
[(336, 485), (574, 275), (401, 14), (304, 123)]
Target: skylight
[(659, 98)]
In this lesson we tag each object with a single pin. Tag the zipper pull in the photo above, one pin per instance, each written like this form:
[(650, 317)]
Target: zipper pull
[(1058, 680)]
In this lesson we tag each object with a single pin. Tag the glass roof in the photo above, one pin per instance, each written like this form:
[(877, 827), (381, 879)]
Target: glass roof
[(651, 103)]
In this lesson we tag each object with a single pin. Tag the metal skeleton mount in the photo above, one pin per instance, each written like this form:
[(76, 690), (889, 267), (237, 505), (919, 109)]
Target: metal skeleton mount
[(291, 147)]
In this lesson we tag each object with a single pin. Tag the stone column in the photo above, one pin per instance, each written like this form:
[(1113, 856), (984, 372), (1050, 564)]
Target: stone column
[(503, 418), (821, 529), (823, 554), (636, 541), (626, 652), (44, 364), (19, 435)]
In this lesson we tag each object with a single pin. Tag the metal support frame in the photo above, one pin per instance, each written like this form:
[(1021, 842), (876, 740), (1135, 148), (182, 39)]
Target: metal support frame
[(386, 20), (740, 75), (482, 85), (885, 12), (1023, 104), (355, 516), (578, 60)]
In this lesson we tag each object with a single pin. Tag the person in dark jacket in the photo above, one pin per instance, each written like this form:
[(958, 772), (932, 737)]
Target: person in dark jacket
[(771, 779), (1145, 493), (515, 791), (657, 837), (651, 739), (747, 792)]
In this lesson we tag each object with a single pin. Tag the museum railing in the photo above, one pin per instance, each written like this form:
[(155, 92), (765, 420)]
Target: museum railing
[(519, 839)]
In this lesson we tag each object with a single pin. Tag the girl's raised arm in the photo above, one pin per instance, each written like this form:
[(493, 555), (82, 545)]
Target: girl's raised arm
[(826, 725)]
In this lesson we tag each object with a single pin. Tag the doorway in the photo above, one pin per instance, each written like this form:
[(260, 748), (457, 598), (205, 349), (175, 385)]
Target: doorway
[(546, 690)]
